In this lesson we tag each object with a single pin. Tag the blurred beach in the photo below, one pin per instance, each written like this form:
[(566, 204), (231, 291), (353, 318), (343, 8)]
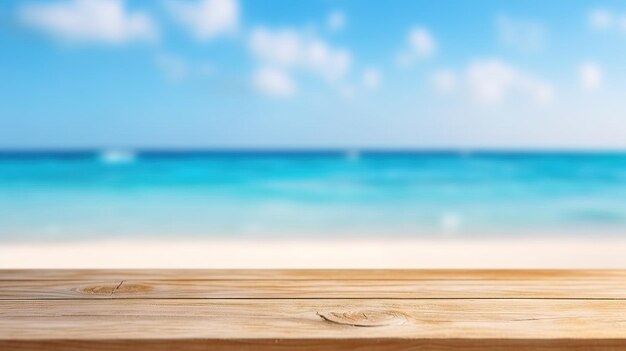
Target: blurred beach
[(312, 209), (238, 133)]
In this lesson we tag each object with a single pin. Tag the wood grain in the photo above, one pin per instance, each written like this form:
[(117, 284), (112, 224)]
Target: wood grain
[(312, 310), (320, 289), (293, 319), (379, 344)]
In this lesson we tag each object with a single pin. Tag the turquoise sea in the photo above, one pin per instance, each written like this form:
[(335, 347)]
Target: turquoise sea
[(111, 194)]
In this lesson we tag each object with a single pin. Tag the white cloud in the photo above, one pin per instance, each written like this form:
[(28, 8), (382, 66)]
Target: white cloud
[(519, 34), (422, 42), (206, 19), (491, 81), (605, 20), (444, 81), (105, 21), (336, 20), (420, 45), (282, 46), (600, 19), (371, 78), (273, 82), (590, 75), (290, 49)]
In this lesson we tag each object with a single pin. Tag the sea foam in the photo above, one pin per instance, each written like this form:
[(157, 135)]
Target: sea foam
[(117, 156)]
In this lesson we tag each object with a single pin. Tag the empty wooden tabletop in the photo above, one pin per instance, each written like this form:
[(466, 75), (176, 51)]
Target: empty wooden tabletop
[(312, 310)]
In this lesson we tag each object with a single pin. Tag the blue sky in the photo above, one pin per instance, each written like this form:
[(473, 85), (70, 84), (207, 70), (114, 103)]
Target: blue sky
[(312, 74)]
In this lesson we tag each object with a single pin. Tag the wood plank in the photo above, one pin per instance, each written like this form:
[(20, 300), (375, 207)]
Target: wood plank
[(446, 321), (313, 309), (304, 274), (322, 289), (377, 344)]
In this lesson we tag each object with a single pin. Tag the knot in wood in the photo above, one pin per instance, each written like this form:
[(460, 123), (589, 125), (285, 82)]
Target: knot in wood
[(366, 318), (104, 289), (119, 288)]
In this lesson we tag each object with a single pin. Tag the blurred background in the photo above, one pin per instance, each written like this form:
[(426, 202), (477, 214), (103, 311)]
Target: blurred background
[(407, 130)]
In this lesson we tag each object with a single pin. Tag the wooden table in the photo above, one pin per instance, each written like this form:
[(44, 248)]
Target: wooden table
[(312, 310)]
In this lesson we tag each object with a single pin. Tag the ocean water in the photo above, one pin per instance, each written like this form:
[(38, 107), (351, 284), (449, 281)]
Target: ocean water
[(113, 194)]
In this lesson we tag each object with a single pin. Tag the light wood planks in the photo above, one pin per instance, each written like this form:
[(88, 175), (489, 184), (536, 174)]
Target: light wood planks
[(312, 310), (312, 289), (315, 319), (381, 344)]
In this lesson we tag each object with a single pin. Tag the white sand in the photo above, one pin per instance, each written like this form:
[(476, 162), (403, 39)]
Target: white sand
[(347, 253)]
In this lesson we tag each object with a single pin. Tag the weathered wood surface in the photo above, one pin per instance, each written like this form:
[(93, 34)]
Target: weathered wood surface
[(312, 310), (311, 289)]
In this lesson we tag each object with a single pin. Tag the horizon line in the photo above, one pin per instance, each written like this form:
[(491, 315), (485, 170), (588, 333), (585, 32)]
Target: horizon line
[(310, 150)]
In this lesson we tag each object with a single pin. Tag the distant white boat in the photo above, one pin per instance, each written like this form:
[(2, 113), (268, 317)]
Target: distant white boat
[(117, 156)]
